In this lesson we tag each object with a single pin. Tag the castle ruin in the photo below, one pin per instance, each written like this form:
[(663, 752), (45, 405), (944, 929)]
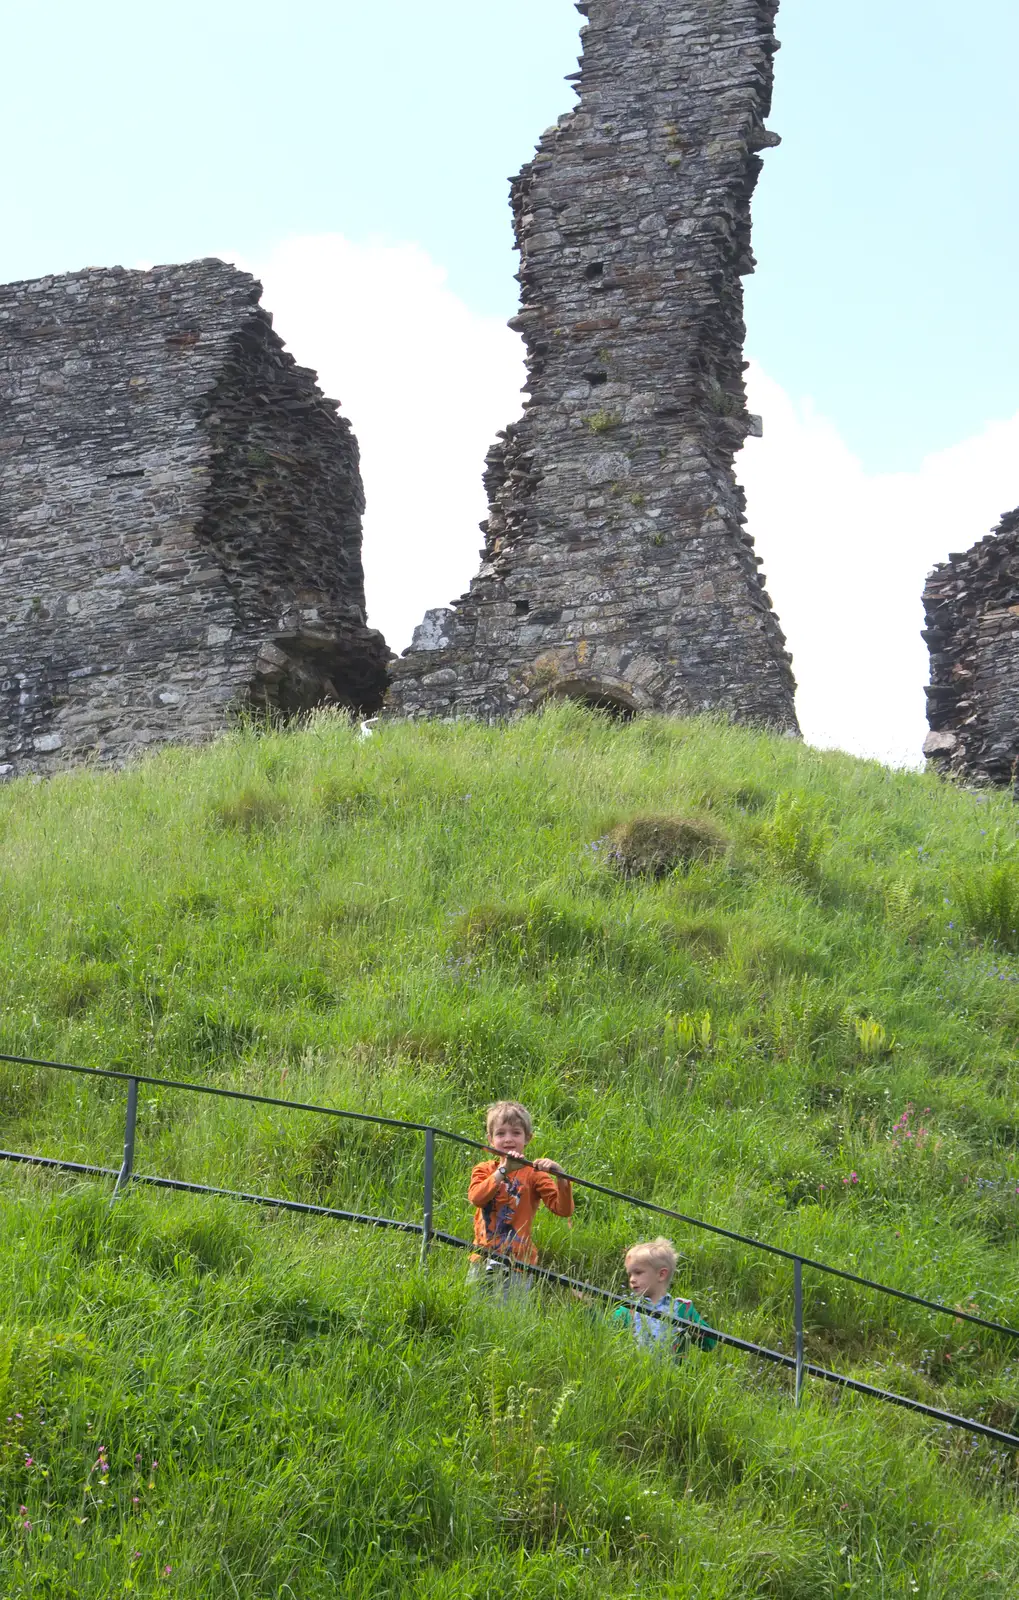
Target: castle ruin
[(616, 568), (971, 604), (180, 519)]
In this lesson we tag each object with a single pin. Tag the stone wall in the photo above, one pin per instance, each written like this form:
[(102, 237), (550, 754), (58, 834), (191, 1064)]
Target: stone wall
[(616, 567), (180, 518), (972, 609)]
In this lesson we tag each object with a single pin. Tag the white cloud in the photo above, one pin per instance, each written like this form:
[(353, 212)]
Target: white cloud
[(427, 383), (846, 555)]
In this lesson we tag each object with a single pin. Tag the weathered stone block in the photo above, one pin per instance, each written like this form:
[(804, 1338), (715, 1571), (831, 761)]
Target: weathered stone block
[(971, 604), (615, 531), (172, 484)]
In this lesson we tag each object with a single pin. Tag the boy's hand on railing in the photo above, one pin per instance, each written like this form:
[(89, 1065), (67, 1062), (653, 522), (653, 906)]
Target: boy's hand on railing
[(544, 1164), (513, 1160)]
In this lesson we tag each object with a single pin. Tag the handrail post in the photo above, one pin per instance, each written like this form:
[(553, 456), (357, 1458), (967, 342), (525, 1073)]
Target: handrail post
[(798, 1316), (130, 1121), (426, 1232)]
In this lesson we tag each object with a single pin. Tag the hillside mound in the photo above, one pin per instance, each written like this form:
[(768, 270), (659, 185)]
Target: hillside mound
[(806, 1035)]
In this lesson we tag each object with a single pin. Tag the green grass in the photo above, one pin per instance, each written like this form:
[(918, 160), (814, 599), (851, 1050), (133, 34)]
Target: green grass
[(809, 1036)]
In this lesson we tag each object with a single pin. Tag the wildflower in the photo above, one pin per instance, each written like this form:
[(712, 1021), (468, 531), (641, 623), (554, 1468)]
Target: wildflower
[(136, 1555), (167, 1571), (29, 1462)]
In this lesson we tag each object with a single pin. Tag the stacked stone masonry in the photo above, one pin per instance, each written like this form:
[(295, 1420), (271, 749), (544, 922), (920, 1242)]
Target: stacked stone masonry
[(180, 519), (972, 609), (616, 566)]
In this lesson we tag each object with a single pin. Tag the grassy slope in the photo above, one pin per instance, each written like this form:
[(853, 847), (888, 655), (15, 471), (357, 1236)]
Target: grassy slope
[(416, 924)]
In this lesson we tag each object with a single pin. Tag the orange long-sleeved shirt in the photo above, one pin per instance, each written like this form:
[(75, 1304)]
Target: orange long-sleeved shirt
[(506, 1207)]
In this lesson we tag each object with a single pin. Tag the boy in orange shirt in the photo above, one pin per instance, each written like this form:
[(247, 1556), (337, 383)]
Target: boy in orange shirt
[(508, 1191)]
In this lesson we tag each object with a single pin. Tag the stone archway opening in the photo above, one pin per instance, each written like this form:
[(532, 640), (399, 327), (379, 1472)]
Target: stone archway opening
[(614, 702), (296, 673)]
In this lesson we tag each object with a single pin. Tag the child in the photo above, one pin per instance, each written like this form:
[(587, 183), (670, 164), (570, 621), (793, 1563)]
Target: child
[(507, 1191), (650, 1268)]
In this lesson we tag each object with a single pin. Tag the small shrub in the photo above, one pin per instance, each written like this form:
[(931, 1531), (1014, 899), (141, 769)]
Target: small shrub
[(426, 1307), (871, 1037), (200, 1237), (807, 1021), (206, 1035), (341, 803), (193, 903), (537, 932), (903, 911), (988, 901), (250, 810), (705, 935), (750, 797), (688, 1033), (795, 837), (722, 401), (74, 986), (602, 421), (652, 847)]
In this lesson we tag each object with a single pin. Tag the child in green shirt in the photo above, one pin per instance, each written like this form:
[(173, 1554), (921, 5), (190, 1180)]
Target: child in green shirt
[(650, 1268)]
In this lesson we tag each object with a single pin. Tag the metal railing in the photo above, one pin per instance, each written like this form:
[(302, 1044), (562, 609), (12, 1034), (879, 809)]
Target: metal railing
[(796, 1363)]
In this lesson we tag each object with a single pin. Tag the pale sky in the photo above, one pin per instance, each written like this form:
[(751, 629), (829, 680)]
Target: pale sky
[(356, 156)]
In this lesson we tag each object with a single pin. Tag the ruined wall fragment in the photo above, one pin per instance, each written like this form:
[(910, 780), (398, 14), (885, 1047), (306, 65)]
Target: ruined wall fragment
[(971, 603), (616, 567), (180, 518)]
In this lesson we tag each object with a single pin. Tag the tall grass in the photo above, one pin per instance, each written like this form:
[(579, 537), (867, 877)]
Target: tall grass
[(808, 1036)]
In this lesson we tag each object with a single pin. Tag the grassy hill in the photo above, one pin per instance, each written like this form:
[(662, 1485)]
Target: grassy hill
[(808, 1034)]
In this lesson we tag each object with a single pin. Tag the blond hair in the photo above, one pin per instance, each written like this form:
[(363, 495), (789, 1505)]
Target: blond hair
[(513, 1111), (660, 1252)]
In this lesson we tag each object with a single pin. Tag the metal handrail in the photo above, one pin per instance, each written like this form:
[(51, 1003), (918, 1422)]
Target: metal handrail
[(955, 1312), (428, 1233)]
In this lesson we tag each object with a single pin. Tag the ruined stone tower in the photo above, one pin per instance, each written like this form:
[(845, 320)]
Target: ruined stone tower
[(180, 518), (972, 608), (616, 568)]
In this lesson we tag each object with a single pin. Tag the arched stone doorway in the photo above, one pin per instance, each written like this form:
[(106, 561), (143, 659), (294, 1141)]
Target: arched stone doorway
[(613, 699)]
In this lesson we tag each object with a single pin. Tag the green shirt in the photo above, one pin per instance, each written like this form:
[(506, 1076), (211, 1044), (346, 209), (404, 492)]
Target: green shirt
[(651, 1332)]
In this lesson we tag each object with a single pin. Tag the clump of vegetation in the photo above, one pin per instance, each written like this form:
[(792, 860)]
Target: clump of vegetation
[(250, 809), (602, 421), (796, 836), (987, 899), (654, 847), (687, 1033)]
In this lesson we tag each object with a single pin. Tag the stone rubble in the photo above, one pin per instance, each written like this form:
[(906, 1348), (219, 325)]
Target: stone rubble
[(616, 566), (180, 519)]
